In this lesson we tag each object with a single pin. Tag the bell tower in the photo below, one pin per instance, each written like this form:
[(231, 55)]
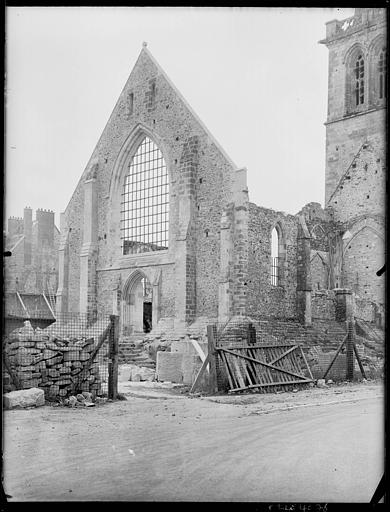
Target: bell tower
[(356, 91), (355, 172)]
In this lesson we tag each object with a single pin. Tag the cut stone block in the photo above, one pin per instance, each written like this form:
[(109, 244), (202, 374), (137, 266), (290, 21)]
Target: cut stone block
[(53, 361), (33, 397), (168, 367), (38, 358), (24, 375), (54, 390), (24, 359), (84, 356), (142, 374), (190, 367), (63, 382), (29, 368), (33, 351), (27, 344), (72, 355), (32, 383), (48, 354)]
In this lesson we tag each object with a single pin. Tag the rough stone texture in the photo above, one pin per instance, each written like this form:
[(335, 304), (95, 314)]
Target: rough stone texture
[(32, 397), (263, 298), (55, 371), (174, 128), (355, 150), (347, 130), (168, 367), (190, 367), (142, 374), (323, 305)]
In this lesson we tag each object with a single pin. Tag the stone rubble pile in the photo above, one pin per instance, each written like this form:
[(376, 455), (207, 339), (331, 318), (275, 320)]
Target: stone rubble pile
[(56, 365)]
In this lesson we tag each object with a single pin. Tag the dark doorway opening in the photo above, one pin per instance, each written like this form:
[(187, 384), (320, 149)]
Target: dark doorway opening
[(147, 316)]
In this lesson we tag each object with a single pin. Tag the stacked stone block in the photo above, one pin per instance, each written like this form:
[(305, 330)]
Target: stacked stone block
[(58, 366)]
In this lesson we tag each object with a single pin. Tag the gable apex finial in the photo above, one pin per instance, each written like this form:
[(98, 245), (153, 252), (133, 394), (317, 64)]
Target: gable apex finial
[(144, 44)]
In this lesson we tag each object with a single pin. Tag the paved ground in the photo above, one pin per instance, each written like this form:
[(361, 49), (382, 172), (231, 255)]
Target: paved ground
[(319, 445)]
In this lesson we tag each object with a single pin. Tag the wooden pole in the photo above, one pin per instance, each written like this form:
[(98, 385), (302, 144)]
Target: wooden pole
[(350, 363), (113, 358), (335, 356), (213, 384), (359, 361)]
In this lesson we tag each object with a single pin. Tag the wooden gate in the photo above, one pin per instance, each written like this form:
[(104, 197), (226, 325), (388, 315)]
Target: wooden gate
[(264, 366)]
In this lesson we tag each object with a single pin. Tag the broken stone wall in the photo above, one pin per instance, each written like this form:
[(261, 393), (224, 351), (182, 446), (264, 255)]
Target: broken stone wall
[(264, 299)]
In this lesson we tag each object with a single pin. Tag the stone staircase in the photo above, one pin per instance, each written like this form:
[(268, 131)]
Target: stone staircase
[(131, 351)]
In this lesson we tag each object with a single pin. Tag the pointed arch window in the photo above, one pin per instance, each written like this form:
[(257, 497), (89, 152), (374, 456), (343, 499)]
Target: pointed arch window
[(382, 75), (359, 80), (145, 202), (275, 274)]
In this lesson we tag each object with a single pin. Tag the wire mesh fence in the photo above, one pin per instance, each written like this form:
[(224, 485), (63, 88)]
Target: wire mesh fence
[(75, 353)]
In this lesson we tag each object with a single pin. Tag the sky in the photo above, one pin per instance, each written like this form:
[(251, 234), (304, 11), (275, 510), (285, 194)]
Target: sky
[(256, 77)]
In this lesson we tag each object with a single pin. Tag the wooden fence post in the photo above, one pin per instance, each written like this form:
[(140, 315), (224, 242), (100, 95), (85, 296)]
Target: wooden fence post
[(113, 358), (213, 384), (350, 361)]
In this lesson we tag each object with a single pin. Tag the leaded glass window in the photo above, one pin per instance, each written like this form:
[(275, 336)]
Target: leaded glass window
[(275, 257), (145, 202), (359, 80), (382, 78)]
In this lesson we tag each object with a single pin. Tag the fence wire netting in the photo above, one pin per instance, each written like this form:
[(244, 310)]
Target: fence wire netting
[(69, 356)]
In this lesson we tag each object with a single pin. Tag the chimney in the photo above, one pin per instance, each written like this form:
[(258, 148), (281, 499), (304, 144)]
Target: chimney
[(45, 226), (27, 221), (15, 226)]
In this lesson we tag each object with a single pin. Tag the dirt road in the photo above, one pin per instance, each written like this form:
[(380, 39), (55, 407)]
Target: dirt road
[(317, 445)]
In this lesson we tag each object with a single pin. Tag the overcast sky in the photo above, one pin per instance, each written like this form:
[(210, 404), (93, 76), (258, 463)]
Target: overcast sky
[(256, 77)]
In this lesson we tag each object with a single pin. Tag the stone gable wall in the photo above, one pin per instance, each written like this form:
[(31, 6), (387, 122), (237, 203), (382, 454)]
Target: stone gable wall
[(149, 101)]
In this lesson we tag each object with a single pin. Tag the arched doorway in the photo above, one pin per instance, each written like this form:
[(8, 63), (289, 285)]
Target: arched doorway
[(137, 305)]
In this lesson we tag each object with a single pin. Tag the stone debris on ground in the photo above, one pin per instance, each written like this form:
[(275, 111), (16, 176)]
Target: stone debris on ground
[(134, 373), (33, 397), (321, 383)]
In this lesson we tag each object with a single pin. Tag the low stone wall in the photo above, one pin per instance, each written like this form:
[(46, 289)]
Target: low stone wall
[(57, 366)]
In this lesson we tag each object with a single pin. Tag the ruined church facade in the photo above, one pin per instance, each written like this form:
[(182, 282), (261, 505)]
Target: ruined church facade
[(160, 229)]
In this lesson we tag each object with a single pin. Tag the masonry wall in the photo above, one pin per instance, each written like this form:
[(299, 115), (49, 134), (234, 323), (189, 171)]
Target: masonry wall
[(265, 300), (73, 223), (323, 305), (346, 131), (364, 256), (60, 368), (362, 190), (158, 111)]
